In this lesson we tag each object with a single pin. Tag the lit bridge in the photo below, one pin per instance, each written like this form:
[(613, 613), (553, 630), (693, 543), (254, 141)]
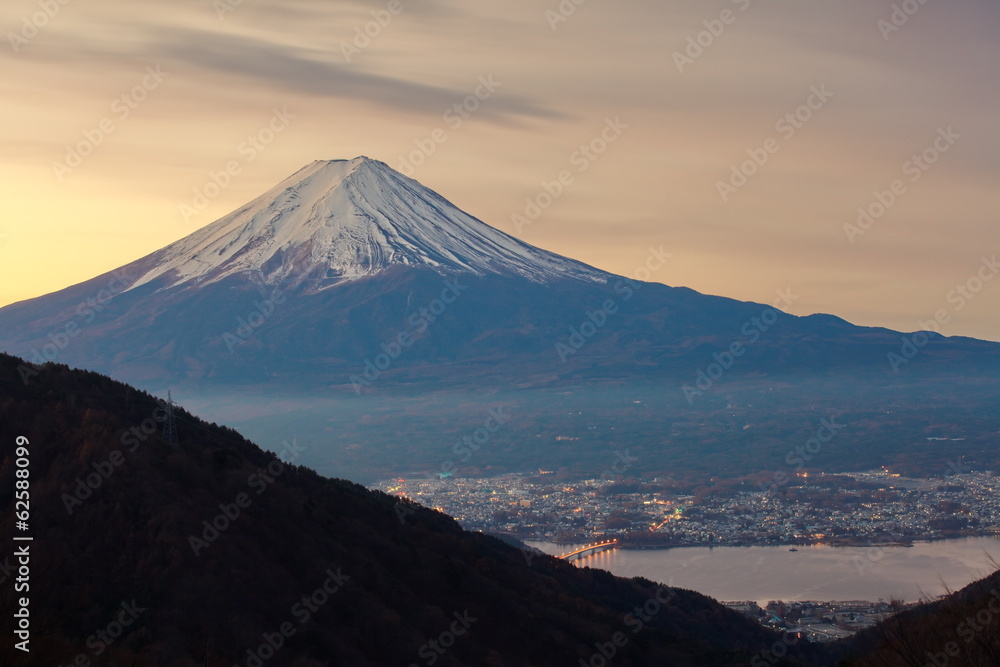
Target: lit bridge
[(583, 552)]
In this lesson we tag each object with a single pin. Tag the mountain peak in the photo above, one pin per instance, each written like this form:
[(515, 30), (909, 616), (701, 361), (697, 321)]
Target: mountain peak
[(337, 220)]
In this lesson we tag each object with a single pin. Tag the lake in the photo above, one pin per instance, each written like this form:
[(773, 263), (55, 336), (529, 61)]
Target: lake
[(811, 573)]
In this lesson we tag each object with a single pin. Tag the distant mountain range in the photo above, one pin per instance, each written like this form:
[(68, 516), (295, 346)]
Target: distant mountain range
[(351, 282)]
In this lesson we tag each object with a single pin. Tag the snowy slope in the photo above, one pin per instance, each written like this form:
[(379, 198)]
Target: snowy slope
[(340, 220)]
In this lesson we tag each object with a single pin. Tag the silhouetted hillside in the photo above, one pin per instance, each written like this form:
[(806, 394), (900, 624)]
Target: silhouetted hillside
[(961, 630), (127, 568)]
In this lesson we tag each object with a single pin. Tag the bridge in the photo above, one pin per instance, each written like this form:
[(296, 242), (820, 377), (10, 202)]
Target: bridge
[(583, 552)]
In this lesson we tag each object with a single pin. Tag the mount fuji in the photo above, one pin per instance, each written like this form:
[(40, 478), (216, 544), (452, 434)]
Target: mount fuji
[(347, 219), (349, 282), (310, 276)]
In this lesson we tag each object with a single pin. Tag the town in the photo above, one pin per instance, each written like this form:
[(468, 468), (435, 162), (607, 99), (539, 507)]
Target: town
[(846, 509), (817, 621)]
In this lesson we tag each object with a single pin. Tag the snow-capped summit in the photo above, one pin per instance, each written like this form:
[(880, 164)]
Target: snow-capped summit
[(337, 220), (321, 283)]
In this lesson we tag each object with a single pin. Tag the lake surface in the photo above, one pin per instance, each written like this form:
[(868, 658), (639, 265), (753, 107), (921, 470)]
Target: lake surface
[(811, 573)]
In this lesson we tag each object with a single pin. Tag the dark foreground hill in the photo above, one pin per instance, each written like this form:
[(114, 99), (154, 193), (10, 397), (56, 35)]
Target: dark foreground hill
[(961, 630), (213, 552)]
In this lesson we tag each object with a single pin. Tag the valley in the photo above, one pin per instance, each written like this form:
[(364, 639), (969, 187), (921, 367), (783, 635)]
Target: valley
[(871, 509)]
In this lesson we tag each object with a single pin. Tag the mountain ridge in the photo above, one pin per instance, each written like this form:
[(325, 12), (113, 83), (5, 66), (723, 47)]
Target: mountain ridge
[(217, 544), (265, 317)]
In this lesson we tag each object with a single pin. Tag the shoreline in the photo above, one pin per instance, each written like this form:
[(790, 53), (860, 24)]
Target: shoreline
[(904, 543)]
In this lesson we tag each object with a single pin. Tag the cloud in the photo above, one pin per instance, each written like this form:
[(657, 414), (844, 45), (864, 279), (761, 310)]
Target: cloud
[(264, 63), (311, 73)]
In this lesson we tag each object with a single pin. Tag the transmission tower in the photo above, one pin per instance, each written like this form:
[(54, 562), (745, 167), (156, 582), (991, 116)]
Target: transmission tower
[(170, 424)]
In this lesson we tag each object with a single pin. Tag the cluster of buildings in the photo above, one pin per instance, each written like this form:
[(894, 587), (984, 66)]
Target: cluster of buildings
[(878, 508), (818, 621)]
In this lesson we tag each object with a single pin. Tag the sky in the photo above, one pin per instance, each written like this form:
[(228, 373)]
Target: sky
[(845, 151)]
